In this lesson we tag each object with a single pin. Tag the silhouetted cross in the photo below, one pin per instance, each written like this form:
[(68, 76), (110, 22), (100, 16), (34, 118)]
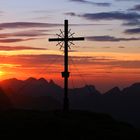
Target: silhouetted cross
[(66, 39)]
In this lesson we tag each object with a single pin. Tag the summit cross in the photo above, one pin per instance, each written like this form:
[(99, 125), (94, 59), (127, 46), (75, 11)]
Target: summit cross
[(65, 38)]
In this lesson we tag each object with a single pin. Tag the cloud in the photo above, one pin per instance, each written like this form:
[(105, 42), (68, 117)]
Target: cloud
[(121, 47), (129, 19), (44, 60), (132, 23), (22, 36), (73, 50), (136, 8), (106, 47), (126, 64), (109, 38), (111, 16), (33, 61), (20, 25), (29, 25), (132, 31), (15, 40), (71, 14), (29, 33), (92, 3), (19, 48)]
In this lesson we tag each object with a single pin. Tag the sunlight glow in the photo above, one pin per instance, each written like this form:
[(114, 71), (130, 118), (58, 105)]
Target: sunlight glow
[(2, 73)]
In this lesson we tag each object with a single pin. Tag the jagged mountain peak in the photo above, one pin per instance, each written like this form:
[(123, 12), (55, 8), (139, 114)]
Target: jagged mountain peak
[(42, 80), (30, 79), (114, 91), (136, 85), (11, 80), (134, 89)]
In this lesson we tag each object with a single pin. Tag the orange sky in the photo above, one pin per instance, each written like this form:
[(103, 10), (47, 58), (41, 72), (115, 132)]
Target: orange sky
[(109, 56), (104, 70)]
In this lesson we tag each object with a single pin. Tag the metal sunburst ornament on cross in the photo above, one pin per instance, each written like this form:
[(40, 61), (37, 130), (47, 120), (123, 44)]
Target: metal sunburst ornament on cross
[(65, 39), (61, 35)]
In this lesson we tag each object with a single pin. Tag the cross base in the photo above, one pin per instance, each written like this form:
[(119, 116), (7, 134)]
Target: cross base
[(65, 74)]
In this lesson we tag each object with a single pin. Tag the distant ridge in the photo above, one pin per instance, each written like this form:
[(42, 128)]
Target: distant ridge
[(113, 92), (42, 94)]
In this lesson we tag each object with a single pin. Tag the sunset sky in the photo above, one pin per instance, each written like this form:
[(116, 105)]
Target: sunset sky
[(109, 56)]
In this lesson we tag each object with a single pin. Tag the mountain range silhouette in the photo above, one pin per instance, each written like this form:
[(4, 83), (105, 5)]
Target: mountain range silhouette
[(40, 94)]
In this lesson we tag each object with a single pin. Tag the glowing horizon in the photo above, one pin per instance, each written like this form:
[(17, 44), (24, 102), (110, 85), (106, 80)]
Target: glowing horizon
[(111, 49)]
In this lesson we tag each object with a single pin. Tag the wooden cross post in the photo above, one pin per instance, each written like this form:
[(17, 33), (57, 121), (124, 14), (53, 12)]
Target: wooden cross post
[(66, 39)]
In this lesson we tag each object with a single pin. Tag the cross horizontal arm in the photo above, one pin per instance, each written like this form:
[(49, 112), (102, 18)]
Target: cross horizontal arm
[(76, 39), (56, 39), (69, 39)]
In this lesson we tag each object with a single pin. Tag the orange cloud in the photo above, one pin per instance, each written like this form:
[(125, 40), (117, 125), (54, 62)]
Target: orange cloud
[(19, 48), (13, 40)]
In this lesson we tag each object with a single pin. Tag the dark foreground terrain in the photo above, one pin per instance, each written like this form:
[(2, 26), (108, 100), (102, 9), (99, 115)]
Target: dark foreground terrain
[(75, 125), (40, 94)]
